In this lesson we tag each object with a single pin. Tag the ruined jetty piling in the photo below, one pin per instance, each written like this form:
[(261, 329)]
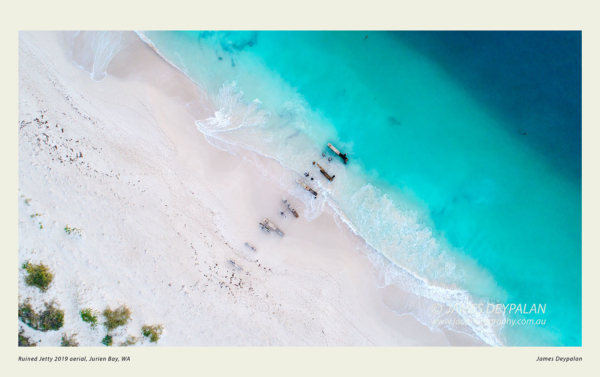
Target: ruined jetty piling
[(291, 208), (273, 227), (305, 186), (342, 155), (330, 178), (234, 265), (264, 228)]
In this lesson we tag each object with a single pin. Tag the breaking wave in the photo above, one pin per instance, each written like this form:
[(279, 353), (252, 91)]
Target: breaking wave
[(233, 112)]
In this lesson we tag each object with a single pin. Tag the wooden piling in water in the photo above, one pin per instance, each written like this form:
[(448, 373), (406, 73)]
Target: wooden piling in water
[(330, 178), (305, 186), (342, 155)]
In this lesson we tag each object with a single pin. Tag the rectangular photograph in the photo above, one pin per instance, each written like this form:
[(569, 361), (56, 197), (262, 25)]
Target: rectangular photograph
[(300, 188)]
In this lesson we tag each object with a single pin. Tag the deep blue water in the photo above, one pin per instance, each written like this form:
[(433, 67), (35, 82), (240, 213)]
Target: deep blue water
[(436, 122), (530, 79)]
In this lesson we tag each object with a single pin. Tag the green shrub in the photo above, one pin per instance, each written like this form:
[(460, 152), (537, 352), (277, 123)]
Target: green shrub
[(73, 231), (23, 340), (115, 318), (38, 275), (27, 315), (107, 340), (52, 318), (131, 340), (153, 332), (69, 340), (90, 316)]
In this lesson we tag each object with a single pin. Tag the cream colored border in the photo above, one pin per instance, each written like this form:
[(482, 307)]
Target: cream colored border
[(255, 14)]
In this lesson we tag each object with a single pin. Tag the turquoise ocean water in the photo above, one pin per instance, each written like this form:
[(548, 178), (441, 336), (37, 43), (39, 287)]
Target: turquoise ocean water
[(442, 180)]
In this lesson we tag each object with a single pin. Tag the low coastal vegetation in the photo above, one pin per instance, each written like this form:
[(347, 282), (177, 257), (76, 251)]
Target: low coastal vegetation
[(69, 340), (107, 340), (27, 201), (23, 340), (38, 275), (73, 231), (52, 318), (152, 332), (115, 318), (38, 215), (130, 341), (89, 316)]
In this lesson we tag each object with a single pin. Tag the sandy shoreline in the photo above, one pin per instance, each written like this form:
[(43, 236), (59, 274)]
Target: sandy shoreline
[(162, 210)]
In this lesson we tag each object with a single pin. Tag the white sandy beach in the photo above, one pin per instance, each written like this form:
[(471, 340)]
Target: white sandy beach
[(162, 211)]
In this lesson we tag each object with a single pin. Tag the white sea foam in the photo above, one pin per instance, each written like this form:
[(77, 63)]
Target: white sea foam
[(233, 112), (407, 256), (93, 51)]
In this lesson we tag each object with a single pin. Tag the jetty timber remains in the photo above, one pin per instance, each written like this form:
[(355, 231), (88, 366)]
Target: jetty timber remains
[(342, 155), (264, 228), (273, 227), (324, 172), (234, 265), (305, 186), (291, 208)]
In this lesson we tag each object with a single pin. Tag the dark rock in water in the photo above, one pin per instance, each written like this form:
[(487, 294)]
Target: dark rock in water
[(237, 41), (232, 63), (436, 212), (293, 135), (220, 58), (205, 34), (394, 122), (232, 41), (287, 116), (478, 193)]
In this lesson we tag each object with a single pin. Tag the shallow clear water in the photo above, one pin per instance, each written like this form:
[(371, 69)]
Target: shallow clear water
[(441, 179)]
